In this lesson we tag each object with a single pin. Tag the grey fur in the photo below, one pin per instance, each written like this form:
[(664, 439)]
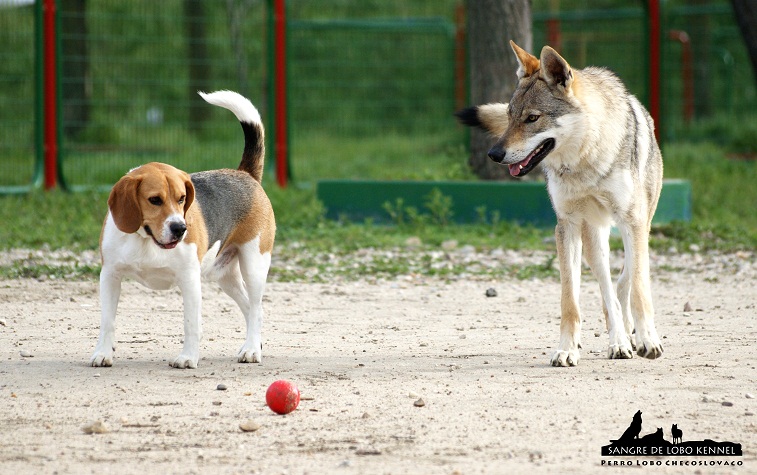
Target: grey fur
[(225, 198), (596, 145)]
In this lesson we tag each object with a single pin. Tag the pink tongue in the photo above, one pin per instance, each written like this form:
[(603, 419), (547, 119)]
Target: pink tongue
[(514, 169)]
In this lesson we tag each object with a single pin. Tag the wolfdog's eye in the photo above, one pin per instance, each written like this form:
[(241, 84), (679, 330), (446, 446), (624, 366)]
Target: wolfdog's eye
[(155, 200), (532, 118)]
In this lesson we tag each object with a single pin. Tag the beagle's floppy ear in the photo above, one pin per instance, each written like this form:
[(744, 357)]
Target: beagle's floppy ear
[(124, 206), (528, 63), (190, 195)]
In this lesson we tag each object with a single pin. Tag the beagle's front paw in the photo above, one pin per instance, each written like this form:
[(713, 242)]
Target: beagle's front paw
[(103, 355), (101, 358), (250, 353), (184, 361)]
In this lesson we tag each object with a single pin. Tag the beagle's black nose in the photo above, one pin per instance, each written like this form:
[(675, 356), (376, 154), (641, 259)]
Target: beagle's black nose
[(178, 229)]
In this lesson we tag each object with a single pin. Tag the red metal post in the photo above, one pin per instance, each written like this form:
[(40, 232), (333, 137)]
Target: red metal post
[(50, 94), (654, 64), (280, 91), (554, 37)]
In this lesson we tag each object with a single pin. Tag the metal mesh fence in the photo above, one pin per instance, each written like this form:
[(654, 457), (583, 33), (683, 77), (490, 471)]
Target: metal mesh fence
[(17, 93), (367, 85), (371, 83), (130, 76)]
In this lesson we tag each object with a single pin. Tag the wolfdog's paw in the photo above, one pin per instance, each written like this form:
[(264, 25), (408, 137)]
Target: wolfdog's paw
[(648, 344), (620, 352), (184, 361), (565, 358), (250, 353), (649, 350), (620, 346)]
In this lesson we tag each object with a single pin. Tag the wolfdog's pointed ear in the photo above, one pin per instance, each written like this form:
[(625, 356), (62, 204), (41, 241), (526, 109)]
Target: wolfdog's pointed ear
[(529, 63), (555, 70)]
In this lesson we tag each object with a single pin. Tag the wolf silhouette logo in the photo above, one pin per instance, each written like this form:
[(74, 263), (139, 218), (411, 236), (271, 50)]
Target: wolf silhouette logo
[(654, 443), (633, 430)]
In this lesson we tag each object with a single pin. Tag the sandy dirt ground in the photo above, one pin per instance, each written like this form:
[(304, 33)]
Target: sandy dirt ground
[(362, 354)]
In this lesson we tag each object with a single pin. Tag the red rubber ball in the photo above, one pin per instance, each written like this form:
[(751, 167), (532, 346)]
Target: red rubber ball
[(282, 397)]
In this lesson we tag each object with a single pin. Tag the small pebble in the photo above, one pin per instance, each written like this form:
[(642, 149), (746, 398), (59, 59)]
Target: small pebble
[(727, 403), (221, 387), (97, 427), (491, 292), (521, 299), (2, 322), (249, 426), (366, 415), (687, 307), (217, 403), (749, 396), (412, 395), (597, 334), (463, 337), (419, 403), (26, 354)]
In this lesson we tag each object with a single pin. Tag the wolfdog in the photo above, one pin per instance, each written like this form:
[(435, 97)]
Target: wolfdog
[(603, 166)]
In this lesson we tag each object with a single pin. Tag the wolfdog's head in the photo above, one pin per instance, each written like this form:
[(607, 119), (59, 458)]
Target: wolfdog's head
[(540, 117)]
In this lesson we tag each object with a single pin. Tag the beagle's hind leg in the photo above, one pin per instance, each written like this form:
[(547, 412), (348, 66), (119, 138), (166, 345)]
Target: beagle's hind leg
[(253, 266)]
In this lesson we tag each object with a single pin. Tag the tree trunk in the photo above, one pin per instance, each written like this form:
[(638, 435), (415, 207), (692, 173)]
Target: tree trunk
[(491, 24), (75, 87), (198, 62), (746, 17)]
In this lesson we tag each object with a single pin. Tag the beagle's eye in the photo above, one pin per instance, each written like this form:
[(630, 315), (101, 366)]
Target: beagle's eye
[(155, 200), (181, 200), (532, 118)]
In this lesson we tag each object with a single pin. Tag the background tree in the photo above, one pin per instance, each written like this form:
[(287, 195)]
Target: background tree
[(491, 24), (746, 17)]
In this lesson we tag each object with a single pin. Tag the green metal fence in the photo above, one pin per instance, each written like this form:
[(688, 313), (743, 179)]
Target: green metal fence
[(19, 167), (130, 84), (371, 83)]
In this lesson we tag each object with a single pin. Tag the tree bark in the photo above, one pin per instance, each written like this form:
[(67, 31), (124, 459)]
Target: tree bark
[(198, 62), (75, 86), (491, 24), (746, 17)]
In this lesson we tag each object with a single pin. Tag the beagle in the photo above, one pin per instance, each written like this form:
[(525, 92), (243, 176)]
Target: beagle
[(166, 227)]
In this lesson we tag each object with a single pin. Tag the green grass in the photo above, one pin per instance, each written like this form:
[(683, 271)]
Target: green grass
[(724, 198)]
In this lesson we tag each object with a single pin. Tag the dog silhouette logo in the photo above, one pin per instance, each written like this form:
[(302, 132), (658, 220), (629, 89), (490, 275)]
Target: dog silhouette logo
[(631, 443), (677, 434), (633, 430)]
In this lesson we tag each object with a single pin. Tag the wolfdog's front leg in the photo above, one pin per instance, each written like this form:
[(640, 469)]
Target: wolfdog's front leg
[(636, 243), (597, 251), (568, 239)]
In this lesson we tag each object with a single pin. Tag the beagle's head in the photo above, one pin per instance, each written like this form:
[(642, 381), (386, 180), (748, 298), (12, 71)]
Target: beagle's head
[(153, 200)]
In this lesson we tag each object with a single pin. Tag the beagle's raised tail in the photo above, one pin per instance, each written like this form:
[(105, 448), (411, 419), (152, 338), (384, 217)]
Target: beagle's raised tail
[(254, 134)]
